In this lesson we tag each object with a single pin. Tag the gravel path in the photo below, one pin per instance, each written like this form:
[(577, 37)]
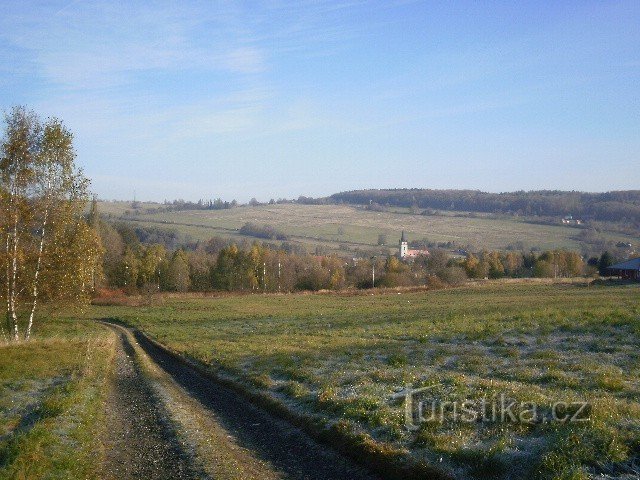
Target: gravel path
[(141, 443), (288, 449), (240, 440)]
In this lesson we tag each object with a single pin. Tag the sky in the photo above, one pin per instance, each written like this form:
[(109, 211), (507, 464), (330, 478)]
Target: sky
[(270, 99)]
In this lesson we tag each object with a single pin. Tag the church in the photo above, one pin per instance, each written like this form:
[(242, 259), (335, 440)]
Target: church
[(408, 254)]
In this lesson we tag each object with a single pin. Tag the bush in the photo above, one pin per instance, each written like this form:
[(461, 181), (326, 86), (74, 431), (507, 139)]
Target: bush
[(262, 231), (394, 279), (435, 282), (453, 275)]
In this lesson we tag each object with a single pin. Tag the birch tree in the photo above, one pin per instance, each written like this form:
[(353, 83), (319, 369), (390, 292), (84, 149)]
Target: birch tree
[(49, 250)]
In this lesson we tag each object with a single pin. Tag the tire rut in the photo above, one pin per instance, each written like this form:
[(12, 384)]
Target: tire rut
[(141, 442), (292, 452)]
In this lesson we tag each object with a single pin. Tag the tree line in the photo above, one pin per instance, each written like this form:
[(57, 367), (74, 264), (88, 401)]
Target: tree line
[(217, 204), (616, 206), (54, 251), (221, 264)]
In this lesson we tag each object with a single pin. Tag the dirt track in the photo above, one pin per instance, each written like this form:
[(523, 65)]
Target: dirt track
[(170, 422), (140, 443)]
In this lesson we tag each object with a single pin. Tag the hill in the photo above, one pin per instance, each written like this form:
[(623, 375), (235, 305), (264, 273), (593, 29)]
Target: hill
[(617, 206), (349, 228)]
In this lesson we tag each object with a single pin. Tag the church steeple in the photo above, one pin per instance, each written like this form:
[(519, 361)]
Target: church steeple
[(404, 246)]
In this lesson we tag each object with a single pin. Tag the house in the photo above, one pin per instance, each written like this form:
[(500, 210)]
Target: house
[(406, 253), (569, 220), (629, 270)]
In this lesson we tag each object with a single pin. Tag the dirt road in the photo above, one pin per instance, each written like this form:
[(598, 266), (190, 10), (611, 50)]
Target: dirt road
[(140, 442), (167, 421)]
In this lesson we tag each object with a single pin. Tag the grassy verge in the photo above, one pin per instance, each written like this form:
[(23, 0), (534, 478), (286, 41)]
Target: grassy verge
[(51, 401), (341, 357)]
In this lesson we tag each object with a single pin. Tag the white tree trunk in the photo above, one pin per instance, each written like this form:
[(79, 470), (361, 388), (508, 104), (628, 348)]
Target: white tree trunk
[(8, 265), (8, 285), (13, 281), (34, 292), (7, 288)]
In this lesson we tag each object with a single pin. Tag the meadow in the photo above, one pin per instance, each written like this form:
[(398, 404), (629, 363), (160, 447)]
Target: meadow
[(340, 357), (342, 227), (52, 392)]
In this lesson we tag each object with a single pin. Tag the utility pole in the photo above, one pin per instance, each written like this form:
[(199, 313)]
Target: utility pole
[(264, 276), (278, 274), (373, 272)]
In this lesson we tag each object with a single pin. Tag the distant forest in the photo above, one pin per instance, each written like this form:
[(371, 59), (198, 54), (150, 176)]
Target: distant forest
[(622, 206), (618, 206)]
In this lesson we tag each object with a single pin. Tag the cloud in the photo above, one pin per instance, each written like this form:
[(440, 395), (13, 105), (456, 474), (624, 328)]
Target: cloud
[(246, 60), (97, 45), (103, 44), (141, 84)]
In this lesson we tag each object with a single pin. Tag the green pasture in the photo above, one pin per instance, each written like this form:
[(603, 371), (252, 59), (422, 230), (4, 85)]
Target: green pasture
[(354, 227), (342, 356)]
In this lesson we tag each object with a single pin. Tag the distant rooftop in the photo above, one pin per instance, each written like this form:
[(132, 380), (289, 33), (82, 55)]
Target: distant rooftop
[(633, 264)]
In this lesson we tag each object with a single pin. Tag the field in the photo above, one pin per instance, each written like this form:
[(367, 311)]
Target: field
[(340, 227), (51, 401), (83, 400), (341, 357)]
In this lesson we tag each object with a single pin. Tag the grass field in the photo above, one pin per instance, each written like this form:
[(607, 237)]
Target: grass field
[(51, 401), (334, 226), (340, 357), (119, 208)]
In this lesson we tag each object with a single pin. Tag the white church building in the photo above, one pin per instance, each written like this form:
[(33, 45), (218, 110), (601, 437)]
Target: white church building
[(409, 254)]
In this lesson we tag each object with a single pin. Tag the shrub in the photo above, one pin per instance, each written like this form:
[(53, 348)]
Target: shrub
[(453, 275)]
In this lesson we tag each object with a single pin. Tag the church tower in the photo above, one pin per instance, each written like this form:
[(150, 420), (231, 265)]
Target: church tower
[(404, 246)]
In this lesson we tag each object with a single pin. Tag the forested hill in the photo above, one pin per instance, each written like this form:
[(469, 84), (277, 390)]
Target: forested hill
[(610, 206)]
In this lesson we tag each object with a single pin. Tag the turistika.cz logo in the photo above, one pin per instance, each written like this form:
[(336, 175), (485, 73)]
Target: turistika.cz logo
[(494, 409)]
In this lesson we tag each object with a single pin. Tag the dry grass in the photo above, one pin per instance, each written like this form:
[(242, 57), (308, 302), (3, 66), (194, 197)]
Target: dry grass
[(341, 357), (351, 227), (51, 392)]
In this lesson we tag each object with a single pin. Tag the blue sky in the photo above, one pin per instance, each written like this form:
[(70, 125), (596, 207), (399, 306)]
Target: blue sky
[(279, 99)]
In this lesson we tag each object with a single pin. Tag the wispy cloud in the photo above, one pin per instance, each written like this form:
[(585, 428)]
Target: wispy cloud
[(103, 43), (169, 83), (88, 45), (95, 57), (246, 60)]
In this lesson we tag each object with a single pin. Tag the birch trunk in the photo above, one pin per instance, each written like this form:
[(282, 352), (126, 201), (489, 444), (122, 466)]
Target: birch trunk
[(37, 274), (14, 278), (8, 285), (8, 263)]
